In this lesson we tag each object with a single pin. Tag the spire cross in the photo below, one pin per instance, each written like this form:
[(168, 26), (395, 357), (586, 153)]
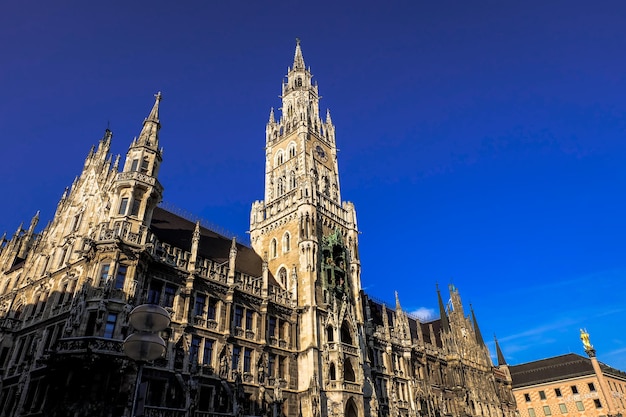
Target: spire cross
[(158, 96)]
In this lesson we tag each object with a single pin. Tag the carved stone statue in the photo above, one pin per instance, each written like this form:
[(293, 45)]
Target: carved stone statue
[(584, 336)]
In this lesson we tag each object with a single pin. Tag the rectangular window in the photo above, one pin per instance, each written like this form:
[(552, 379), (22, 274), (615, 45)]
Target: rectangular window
[(109, 326), (236, 355), (247, 359), (597, 403), (527, 397), (574, 389), (238, 316), (531, 412), (134, 164), (557, 392), (199, 305), (580, 406), (542, 395), (104, 274), (120, 278), (154, 292), (207, 355), (144, 165), (248, 319), (194, 349), (123, 206), (546, 410), (592, 387), (212, 308), (563, 408), (170, 293), (134, 211)]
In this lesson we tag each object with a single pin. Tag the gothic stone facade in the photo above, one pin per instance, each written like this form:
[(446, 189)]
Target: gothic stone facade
[(279, 328)]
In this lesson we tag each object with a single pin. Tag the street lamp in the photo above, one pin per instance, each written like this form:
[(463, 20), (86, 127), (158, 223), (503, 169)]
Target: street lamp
[(145, 344)]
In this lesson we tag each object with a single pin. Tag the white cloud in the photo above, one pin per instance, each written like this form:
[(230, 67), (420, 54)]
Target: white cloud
[(423, 313)]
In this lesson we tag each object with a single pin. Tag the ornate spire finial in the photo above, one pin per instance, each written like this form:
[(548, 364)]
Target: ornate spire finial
[(298, 60), (272, 120)]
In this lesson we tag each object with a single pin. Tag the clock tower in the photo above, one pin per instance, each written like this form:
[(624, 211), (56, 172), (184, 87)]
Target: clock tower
[(309, 239)]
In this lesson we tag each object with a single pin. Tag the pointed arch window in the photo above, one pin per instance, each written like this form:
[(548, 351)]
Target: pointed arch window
[(292, 151), (279, 158), (348, 371), (332, 372), (286, 242), (346, 334), (280, 187), (292, 180), (273, 251), (282, 277)]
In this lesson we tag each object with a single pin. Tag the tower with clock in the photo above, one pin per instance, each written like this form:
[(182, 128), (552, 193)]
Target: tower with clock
[(308, 237)]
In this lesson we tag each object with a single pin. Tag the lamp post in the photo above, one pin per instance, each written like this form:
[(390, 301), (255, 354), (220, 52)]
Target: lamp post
[(145, 344)]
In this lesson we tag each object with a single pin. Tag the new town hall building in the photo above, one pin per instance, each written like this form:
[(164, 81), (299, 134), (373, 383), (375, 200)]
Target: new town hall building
[(279, 328)]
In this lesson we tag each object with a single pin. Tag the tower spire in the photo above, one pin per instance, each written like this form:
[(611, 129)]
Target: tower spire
[(298, 59), (499, 353), (445, 324), (479, 336), (149, 135)]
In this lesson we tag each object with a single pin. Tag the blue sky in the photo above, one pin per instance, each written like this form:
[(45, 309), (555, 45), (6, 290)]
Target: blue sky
[(481, 142)]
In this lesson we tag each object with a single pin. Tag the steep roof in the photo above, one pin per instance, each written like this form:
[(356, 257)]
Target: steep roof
[(556, 368), (178, 231)]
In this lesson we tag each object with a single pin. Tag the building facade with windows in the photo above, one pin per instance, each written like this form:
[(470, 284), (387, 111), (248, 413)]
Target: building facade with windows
[(569, 385), (281, 327)]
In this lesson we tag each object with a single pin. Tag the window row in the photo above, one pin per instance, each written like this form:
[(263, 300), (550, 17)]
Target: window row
[(558, 393), (283, 184), (547, 411), (286, 245), (281, 156)]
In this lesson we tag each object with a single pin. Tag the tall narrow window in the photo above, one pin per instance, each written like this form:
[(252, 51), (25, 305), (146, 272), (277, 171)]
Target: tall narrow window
[(120, 278), (247, 359), (238, 316), (273, 248), (248, 319), (145, 164), (199, 306), (134, 165), (271, 329), (282, 277), (286, 242), (236, 355), (212, 309), (207, 356), (123, 206), (194, 349), (292, 180)]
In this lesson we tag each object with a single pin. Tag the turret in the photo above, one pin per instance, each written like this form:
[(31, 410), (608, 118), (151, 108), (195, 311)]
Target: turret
[(137, 189)]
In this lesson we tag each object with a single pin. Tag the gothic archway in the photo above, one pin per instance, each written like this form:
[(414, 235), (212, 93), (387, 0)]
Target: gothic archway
[(351, 409)]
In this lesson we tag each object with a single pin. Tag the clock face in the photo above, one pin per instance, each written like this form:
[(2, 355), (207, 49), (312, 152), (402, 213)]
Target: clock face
[(320, 153)]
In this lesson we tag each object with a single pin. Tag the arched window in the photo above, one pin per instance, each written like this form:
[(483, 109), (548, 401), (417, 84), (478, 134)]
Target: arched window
[(346, 334), (279, 158), (282, 277), (333, 374), (330, 334), (280, 187), (286, 242), (299, 82), (292, 151), (292, 180), (273, 252)]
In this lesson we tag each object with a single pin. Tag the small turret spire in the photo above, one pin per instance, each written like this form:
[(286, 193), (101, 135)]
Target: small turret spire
[(298, 60), (499, 353), (398, 306), (33, 223), (479, 336), (445, 325), (272, 120)]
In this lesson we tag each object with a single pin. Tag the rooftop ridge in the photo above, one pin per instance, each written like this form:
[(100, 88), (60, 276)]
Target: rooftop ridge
[(187, 215)]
